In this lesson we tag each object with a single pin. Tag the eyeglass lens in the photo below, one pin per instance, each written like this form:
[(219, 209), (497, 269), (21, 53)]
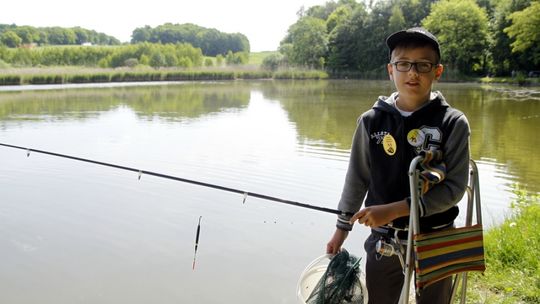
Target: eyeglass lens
[(422, 67)]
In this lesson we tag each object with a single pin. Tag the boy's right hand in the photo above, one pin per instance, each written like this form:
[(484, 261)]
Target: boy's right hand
[(334, 245)]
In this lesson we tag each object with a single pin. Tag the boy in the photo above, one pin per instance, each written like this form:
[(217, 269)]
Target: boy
[(387, 138)]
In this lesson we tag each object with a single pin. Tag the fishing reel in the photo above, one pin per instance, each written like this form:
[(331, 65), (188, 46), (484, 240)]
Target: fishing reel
[(386, 249), (389, 247)]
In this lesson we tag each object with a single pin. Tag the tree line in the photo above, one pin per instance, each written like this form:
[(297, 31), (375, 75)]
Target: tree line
[(13, 36), (211, 41), (168, 45), (477, 37)]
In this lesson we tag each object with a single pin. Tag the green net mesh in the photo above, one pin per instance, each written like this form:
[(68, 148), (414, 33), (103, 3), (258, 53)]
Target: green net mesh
[(340, 282)]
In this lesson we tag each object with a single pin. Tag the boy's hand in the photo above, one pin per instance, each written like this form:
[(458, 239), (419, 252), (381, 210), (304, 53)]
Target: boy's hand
[(334, 245), (379, 215)]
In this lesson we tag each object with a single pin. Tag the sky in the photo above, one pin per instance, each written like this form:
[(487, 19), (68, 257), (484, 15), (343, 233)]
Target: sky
[(265, 23)]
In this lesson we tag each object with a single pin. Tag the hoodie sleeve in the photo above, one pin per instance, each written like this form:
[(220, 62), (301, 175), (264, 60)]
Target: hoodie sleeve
[(357, 177), (456, 157)]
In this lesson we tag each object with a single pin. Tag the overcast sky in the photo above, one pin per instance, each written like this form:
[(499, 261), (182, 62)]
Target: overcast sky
[(265, 23)]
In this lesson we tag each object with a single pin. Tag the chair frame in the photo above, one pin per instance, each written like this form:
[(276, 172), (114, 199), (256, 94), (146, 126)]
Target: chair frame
[(473, 202)]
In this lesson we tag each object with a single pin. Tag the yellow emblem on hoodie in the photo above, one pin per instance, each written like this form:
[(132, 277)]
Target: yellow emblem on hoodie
[(389, 144)]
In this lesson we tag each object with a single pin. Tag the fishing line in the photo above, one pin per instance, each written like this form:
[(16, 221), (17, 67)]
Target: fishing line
[(184, 180)]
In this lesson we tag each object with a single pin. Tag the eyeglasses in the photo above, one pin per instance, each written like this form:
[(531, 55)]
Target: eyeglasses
[(421, 67)]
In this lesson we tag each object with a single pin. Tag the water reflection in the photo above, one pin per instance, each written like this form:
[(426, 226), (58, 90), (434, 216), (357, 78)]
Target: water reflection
[(187, 101), (504, 120), (504, 129), (327, 111)]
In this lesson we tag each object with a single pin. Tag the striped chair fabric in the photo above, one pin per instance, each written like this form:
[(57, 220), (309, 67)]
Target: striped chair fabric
[(444, 253)]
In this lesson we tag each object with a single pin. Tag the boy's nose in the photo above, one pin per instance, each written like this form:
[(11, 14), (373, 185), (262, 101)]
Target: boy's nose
[(413, 70)]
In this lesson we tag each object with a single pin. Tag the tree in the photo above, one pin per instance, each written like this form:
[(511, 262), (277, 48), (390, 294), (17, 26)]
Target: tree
[(462, 29), (141, 34), (373, 53), (81, 35), (503, 60), (414, 11), (28, 34), (345, 41), (11, 39), (61, 36), (309, 41), (338, 16), (211, 41), (525, 30), (397, 20), (322, 11)]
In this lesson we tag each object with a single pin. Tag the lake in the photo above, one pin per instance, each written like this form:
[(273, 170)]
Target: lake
[(73, 232)]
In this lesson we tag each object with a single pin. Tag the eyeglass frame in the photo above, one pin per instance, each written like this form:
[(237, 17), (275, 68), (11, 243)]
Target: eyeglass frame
[(415, 64)]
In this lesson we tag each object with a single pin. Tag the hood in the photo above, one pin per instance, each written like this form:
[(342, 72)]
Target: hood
[(385, 103)]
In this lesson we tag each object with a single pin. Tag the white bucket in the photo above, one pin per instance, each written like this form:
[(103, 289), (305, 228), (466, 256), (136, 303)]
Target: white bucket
[(311, 276)]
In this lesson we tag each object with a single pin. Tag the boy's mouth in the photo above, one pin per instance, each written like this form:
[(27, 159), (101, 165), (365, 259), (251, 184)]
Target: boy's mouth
[(412, 83)]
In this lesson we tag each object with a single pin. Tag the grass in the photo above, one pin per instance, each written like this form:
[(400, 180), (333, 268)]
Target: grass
[(256, 58), (511, 251)]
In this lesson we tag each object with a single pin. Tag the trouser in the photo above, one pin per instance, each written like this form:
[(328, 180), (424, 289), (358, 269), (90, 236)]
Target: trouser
[(384, 279)]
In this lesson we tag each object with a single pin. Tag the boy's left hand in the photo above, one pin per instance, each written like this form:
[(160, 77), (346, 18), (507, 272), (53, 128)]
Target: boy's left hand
[(379, 215)]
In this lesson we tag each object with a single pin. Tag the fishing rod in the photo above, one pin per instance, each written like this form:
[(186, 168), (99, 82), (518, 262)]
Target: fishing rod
[(184, 180)]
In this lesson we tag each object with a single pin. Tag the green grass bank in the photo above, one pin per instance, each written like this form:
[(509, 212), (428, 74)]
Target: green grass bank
[(512, 257)]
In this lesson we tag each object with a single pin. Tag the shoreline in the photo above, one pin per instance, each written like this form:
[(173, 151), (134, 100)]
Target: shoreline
[(76, 75)]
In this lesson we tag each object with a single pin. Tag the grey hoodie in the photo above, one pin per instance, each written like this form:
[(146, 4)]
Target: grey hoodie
[(381, 153)]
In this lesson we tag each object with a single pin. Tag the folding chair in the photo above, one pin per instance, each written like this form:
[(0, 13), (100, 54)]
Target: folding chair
[(468, 240)]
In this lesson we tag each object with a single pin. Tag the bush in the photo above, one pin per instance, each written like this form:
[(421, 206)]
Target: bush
[(237, 58), (273, 62), (131, 62)]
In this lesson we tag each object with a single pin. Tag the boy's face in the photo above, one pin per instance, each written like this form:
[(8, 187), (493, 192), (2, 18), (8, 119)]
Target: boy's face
[(413, 86)]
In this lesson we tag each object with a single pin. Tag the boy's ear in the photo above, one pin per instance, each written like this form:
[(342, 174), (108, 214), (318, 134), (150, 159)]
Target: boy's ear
[(390, 71), (438, 71)]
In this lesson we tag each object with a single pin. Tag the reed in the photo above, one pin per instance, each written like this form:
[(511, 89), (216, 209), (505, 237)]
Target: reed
[(61, 75), (44, 79), (300, 74), (254, 75), (10, 80)]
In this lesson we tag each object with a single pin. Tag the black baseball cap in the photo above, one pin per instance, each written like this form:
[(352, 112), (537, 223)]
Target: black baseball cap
[(415, 33)]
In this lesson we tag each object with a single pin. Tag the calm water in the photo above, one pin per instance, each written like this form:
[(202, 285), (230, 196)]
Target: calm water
[(73, 232)]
